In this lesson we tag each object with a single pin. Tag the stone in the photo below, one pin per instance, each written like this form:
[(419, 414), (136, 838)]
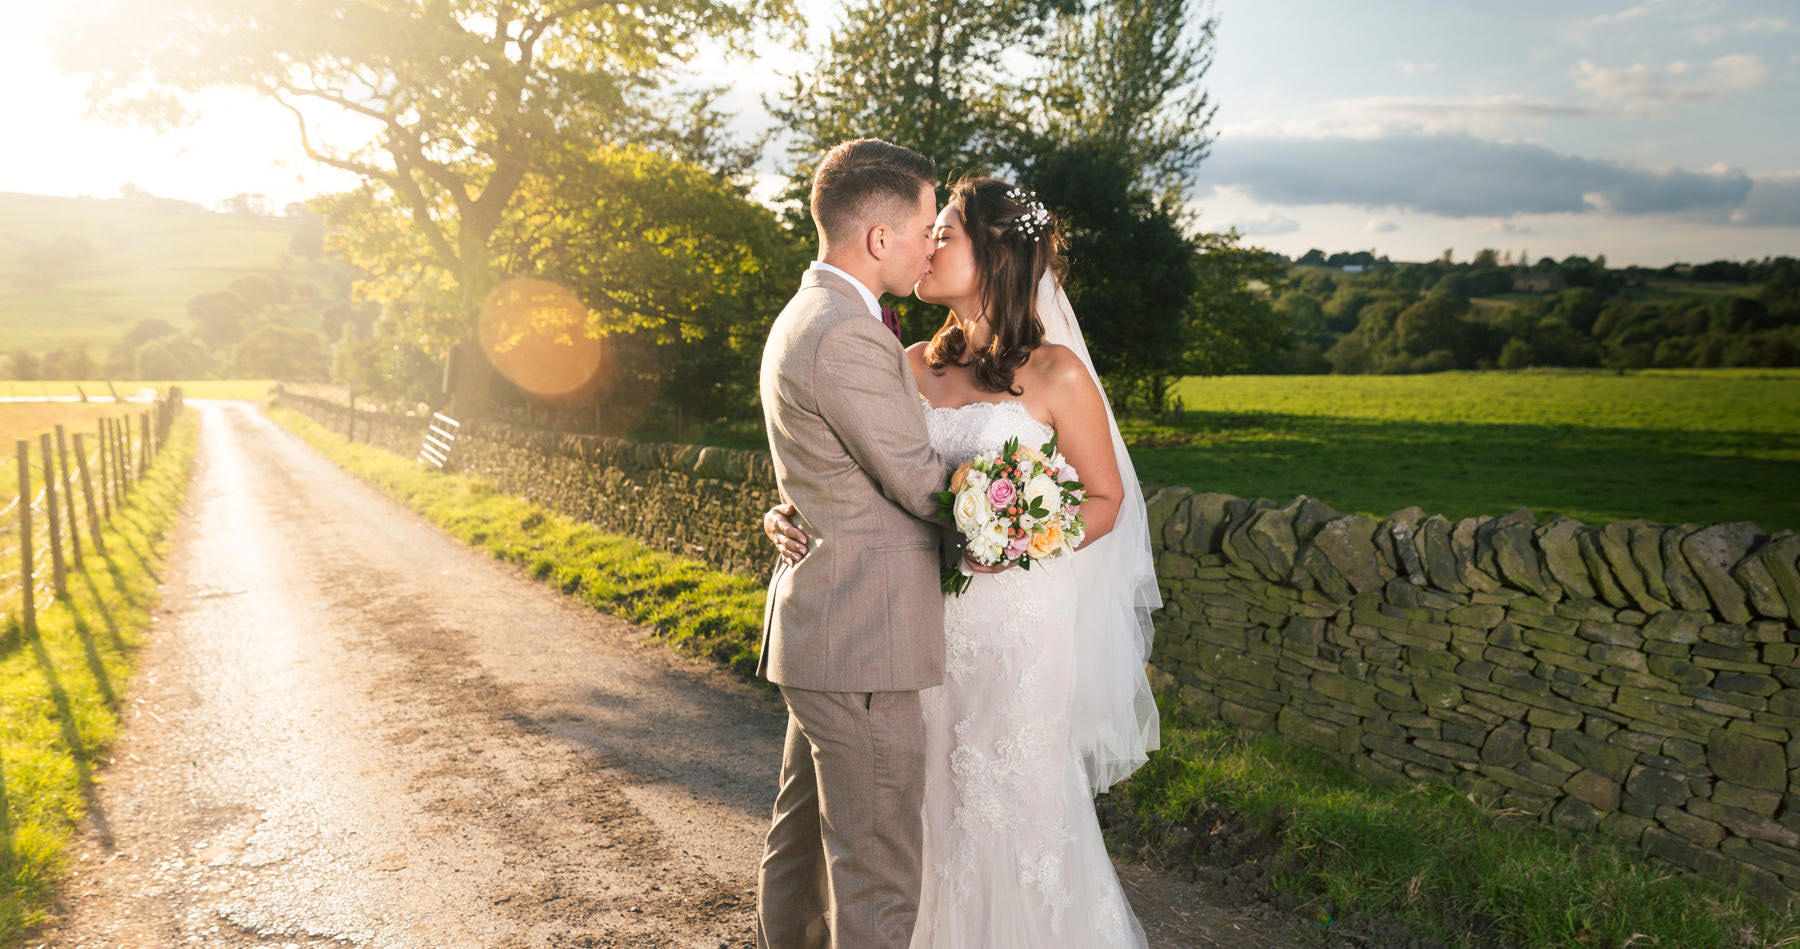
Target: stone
[(1268, 542), (1690, 827), (1745, 823), (1518, 560), (1599, 571), (1593, 753), (1437, 694), (1677, 626), (1646, 552), (1308, 515), (1505, 745), (1618, 657), (1754, 800), (1684, 586), (1435, 552), (1711, 552), (1348, 544), (1463, 546), (1594, 788), (1781, 557), (1165, 515), (1657, 787), (1753, 576), (1748, 761), (1562, 556), (1748, 684), (1206, 515), (1477, 615), (1679, 671), (1615, 544), (1402, 528), (1573, 815)]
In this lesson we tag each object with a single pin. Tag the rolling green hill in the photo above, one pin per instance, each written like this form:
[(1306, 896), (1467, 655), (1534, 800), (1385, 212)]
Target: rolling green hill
[(75, 269)]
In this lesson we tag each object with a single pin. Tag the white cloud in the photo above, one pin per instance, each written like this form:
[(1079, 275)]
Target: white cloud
[(1644, 85), (1413, 69), (1376, 116), (1766, 24), (1266, 226), (1506, 227), (1706, 34), (1380, 226), (1629, 13)]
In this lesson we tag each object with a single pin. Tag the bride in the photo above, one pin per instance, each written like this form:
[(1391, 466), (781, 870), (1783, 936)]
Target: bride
[(1045, 701)]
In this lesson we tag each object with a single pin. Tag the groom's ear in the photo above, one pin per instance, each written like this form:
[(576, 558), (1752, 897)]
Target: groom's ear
[(875, 241)]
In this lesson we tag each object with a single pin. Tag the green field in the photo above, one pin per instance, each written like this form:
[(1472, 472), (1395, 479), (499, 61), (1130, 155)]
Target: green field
[(1671, 446), (149, 258), (97, 391)]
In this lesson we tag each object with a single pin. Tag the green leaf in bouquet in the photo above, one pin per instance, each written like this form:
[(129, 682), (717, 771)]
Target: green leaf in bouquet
[(953, 581)]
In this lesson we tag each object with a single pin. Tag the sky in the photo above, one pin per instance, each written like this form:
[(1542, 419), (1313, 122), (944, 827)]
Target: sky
[(1648, 132)]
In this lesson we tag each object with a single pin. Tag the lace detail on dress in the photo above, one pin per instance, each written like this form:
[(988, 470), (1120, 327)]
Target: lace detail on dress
[(1011, 840)]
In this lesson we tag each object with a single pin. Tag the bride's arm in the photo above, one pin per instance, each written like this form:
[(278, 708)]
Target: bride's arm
[(1085, 439), (789, 541)]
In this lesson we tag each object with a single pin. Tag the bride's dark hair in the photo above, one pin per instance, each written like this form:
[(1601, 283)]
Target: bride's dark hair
[(1014, 240)]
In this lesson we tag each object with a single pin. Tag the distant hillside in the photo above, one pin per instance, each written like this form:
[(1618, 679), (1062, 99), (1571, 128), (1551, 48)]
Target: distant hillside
[(75, 269)]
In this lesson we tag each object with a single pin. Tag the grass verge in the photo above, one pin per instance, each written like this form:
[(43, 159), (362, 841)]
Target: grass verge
[(1438, 862), (59, 692), (697, 609)]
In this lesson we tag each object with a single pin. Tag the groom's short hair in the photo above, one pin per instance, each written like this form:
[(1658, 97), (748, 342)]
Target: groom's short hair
[(867, 177)]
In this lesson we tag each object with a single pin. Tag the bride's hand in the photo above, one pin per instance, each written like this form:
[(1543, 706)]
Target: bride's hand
[(789, 541), (984, 568)]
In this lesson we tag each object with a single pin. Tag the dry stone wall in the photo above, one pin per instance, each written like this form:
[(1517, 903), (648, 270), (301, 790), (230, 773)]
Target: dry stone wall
[(700, 502), (1635, 680)]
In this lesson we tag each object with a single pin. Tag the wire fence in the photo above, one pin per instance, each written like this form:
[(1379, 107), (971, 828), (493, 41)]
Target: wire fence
[(63, 488)]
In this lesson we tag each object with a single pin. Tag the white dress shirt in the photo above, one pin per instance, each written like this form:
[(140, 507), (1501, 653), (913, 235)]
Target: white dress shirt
[(868, 297)]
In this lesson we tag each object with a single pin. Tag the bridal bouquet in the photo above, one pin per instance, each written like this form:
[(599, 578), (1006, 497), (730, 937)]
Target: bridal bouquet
[(1013, 506)]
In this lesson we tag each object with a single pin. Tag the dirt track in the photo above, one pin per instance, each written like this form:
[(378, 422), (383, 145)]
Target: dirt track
[(350, 729)]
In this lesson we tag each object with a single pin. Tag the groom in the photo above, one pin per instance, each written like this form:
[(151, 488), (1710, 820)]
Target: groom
[(855, 629)]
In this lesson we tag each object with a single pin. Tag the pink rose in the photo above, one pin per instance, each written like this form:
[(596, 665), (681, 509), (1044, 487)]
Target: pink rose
[(1017, 547), (1002, 492)]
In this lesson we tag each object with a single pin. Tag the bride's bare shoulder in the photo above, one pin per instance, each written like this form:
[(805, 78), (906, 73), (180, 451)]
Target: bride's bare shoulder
[(1055, 363)]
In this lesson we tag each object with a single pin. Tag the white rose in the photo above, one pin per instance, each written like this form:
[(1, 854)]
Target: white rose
[(1044, 488), (972, 509), (976, 480)]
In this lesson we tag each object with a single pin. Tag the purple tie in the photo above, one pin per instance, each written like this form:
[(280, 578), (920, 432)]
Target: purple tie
[(891, 320)]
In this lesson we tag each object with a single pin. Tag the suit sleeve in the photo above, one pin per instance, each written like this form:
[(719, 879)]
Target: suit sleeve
[(869, 400)]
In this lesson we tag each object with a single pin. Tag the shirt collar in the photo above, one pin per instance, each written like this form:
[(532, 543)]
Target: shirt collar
[(868, 297)]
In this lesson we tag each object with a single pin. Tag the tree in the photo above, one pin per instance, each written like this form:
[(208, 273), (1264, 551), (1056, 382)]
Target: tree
[(220, 317), (275, 351), (172, 357), (118, 360), (21, 364), (463, 100), (668, 255)]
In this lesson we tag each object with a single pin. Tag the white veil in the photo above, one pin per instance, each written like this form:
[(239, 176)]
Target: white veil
[(1112, 711)]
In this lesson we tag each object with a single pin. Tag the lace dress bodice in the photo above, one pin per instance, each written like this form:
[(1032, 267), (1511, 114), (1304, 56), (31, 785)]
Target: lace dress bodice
[(959, 432)]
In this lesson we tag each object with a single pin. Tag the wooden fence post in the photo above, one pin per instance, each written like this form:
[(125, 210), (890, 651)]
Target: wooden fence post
[(105, 471), (59, 579), (122, 457), (24, 456), (87, 491), (68, 493), (143, 442), (352, 414)]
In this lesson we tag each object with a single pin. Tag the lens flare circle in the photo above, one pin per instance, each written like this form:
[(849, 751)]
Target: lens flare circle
[(538, 334)]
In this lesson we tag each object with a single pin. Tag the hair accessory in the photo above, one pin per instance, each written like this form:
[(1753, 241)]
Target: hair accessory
[(1035, 219)]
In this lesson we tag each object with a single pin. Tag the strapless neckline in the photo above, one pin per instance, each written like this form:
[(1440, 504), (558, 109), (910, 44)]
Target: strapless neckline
[(1017, 404)]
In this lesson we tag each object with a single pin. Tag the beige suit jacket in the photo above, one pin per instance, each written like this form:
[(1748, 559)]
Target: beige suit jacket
[(863, 610)]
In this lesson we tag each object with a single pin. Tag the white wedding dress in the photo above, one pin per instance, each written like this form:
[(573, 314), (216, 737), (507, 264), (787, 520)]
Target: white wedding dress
[(1013, 852)]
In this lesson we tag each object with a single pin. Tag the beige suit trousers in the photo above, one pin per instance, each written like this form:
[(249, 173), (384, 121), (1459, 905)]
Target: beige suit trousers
[(847, 832)]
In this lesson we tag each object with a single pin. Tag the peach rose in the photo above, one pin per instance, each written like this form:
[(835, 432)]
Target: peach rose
[(1046, 543), (961, 476)]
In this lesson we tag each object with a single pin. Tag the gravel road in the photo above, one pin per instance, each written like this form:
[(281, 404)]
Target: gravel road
[(350, 729)]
